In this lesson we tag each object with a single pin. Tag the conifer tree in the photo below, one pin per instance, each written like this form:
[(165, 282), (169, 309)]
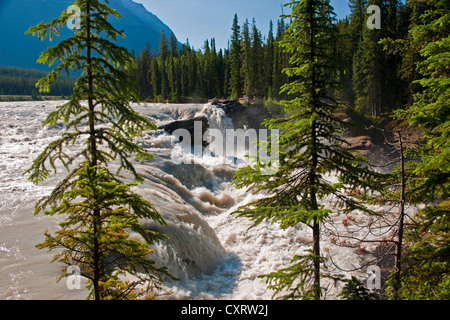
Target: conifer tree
[(406, 49), (357, 20), (344, 55), (155, 79), (236, 62), (426, 276), (311, 148), (143, 86), (368, 68), (173, 45), (376, 83), (246, 45), (269, 63), (101, 209), (257, 58)]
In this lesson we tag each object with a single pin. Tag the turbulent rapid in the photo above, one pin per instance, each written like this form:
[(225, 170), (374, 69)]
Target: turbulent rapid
[(214, 254)]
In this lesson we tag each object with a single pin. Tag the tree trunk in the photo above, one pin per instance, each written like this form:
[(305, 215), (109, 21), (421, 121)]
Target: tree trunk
[(314, 161), (93, 160), (399, 242)]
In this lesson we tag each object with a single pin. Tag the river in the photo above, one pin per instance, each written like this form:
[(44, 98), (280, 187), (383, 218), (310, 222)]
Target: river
[(214, 254)]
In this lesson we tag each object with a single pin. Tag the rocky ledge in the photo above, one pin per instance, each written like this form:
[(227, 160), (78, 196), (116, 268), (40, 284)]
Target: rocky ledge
[(187, 125)]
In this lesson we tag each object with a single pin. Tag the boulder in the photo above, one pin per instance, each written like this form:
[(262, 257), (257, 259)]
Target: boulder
[(189, 125), (361, 144), (185, 124)]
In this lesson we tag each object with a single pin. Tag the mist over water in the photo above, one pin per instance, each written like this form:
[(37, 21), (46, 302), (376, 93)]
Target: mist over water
[(214, 254)]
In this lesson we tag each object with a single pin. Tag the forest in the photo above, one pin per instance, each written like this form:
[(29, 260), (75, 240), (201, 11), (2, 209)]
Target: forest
[(375, 68), (374, 76), (21, 82), (313, 65)]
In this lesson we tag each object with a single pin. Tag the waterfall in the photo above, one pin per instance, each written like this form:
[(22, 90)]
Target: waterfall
[(183, 194), (215, 255)]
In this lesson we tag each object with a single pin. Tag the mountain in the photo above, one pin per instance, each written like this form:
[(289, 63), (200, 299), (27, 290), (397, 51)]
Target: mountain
[(16, 16)]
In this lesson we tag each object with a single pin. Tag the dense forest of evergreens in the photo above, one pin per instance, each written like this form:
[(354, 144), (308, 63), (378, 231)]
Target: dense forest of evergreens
[(19, 81), (372, 79), (374, 67), (251, 66)]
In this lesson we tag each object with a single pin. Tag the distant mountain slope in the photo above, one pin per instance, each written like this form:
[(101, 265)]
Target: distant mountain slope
[(16, 16)]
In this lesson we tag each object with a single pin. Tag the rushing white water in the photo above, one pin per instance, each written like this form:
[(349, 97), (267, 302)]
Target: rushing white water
[(214, 254)]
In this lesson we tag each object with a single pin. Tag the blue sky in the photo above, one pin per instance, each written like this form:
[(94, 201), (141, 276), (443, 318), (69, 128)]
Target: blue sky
[(199, 20)]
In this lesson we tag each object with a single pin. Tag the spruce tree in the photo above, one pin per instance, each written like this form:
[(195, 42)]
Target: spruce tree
[(426, 276), (155, 79), (173, 45), (269, 63), (311, 148), (101, 209), (246, 45), (368, 67), (406, 49), (256, 62), (143, 85), (235, 61), (357, 20)]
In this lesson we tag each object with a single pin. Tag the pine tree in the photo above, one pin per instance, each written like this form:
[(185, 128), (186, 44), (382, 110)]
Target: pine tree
[(235, 61), (393, 85), (173, 42), (357, 21), (310, 149), (101, 209), (256, 66), (356, 27), (368, 68), (405, 49), (427, 274), (193, 72), (142, 74), (344, 55), (163, 56), (277, 74), (246, 45), (269, 53), (376, 83), (226, 73), (155, 79), (219, 69), (184, 69), (430, 110), (355, 290)]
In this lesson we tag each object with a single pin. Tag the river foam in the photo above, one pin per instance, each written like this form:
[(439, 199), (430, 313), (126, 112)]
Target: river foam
[(214, 254)]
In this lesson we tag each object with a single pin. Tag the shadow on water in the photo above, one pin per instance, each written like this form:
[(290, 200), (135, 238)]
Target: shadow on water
[(221, 282)]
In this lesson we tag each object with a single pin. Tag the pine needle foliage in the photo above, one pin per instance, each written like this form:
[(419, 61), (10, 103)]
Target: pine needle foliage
[(426, 275), (312, 149), (101, 210), (355, 290)]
